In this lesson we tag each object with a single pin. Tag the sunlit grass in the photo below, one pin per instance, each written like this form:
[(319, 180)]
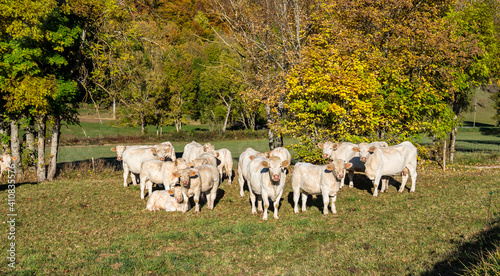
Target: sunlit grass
[(88, 223)]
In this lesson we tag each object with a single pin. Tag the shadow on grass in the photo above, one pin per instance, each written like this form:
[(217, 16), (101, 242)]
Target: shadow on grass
[(468, 254)]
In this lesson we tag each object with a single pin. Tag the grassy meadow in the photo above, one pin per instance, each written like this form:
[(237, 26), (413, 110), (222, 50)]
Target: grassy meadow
[(87, 223)]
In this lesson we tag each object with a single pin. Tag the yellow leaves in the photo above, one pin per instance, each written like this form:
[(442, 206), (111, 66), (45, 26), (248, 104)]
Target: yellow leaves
[(32, 93)]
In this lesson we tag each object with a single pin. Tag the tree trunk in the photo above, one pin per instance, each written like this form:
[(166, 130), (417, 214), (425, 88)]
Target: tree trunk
[(227, 117), (30, 140), (453, 138), (114, 109), (444, 154), (41, 149), (15, 145), (54, 149), (270, 133)]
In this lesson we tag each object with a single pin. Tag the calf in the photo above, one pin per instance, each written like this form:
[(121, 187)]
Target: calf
[(318, 180), (168, 200), (159, 172), (194, 149), (267, 180), (194, 181), (345, 152), (225, 164), (134, 157), (398, 159), (244, 160)]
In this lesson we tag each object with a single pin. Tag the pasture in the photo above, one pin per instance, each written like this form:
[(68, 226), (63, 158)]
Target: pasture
[(87, 223)]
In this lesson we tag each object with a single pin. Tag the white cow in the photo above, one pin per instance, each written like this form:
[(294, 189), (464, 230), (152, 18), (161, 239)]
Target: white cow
[(171, 153), (282, 153), (134, 156), (168, 200), (244, 160), (387, 161), (318, 180), (6, 162), (344, 151), (267, 180), (225, 164), (159, 172), (194, 181), (194, 149)]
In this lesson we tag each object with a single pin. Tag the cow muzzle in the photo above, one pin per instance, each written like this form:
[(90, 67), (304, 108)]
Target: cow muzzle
[(325, 155), (341, 176), (363, 159), (276, 177), (119, 158)]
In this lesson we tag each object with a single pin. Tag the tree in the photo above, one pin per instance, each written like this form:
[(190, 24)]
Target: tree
[(404, 57), (37, 43), (271, 34)]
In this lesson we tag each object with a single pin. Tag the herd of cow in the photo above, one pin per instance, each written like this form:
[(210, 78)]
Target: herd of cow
[(202, 169)]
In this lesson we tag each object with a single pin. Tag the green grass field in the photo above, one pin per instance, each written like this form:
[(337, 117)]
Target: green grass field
[(87, 223)]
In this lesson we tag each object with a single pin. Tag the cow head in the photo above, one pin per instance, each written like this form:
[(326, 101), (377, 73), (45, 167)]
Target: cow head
[(337, 167), (119, 152), (185, 176), (328, 148), (364, 150), (276, 167)]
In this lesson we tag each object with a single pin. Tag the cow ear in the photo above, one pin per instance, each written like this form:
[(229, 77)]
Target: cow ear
[(153, 150), (264, 164), (176, 174), (192, 173), (168, 150), (216, 154), (14, 158), (372, 149), (113, 149), (285, 163), (329, 167), (252, 157), (348, 165), (321, 145), (355, 149), (335, 146), (267, 154), (171, 192), (1, 159)]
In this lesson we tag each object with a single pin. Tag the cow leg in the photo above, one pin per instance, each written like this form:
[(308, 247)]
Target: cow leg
[(229, 172), (197, 201), (241, 181), (150, 187), (334, 199), (143, 187), (326, 201), (385, 184), (351, 179), (252, 200), (276, 204), (265, 201), (125, 175), (403, 182), (375, 185), (304, 202), (413, 174), (209, 201), (296, 196)]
